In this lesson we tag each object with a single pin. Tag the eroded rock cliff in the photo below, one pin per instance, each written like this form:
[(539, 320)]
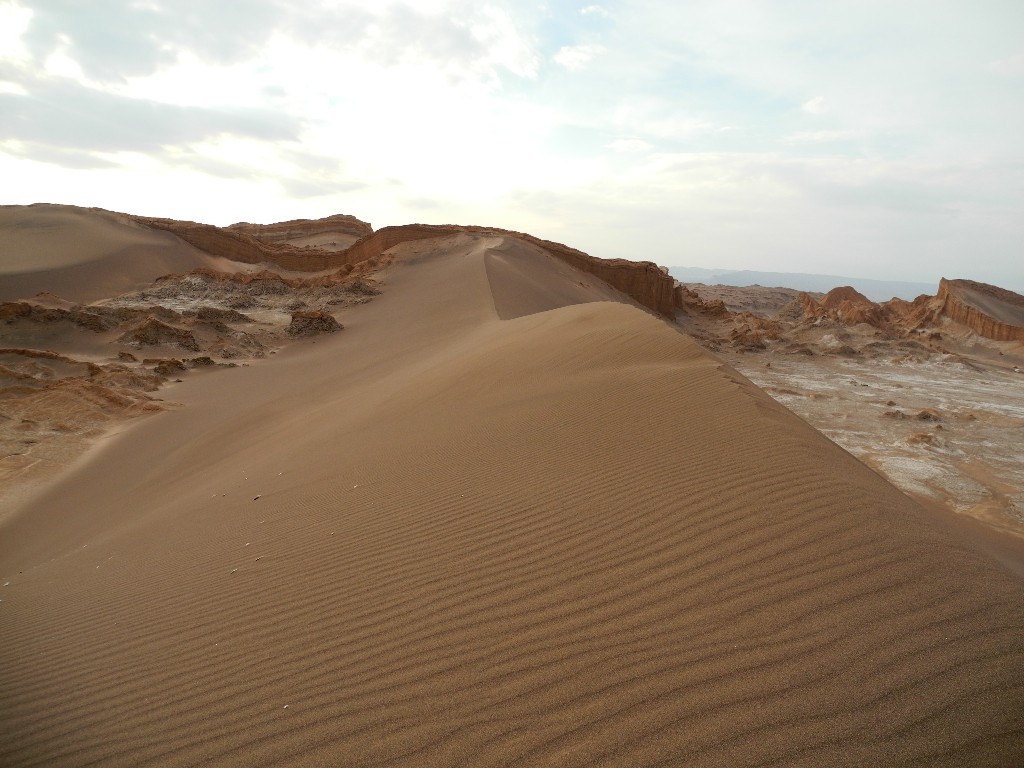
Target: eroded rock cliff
[(992, 312), (333, 233)]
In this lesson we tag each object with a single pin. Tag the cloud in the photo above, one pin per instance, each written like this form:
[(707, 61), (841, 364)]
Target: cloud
[(114, 39), (653, 119), (748, 129), (62, 114), (1012, 66), (577, 57), (631, 145), (819, 136), (64, 157), (749, 210), (814, 106), (15, 89)]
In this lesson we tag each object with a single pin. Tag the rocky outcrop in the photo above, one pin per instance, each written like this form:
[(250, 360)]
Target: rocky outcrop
[(312, 324), (92, 319), (992, 312), (690, 301), (644, 281), (153, 332), (844, 305), (346, 228)]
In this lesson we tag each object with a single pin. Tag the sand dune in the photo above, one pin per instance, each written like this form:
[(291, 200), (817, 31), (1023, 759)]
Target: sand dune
[(85, 254), (500, 519)]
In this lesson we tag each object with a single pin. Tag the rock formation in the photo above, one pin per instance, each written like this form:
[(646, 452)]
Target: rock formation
[(989, 311), (691, 301), (845, 305), (312, 324), (992, 312), (153, 331), (343, 228)]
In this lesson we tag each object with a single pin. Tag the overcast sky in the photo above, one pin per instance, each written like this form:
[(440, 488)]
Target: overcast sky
[(867, 138)]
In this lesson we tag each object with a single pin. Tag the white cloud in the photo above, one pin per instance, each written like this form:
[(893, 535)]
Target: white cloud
[(1010, 65), (504, 43), (14, 20), (16, 89), (819, 136), (577, 57), (656, 120), (748, 129), (814, 106), (630, 145)]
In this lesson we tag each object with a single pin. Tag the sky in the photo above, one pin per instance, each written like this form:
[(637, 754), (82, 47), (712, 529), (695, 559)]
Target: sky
[(880, 139)]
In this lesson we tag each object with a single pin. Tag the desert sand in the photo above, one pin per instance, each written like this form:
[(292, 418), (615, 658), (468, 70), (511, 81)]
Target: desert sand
[(507, 516), (85, 254)]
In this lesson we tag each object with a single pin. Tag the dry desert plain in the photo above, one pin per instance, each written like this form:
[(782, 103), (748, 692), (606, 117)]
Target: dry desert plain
[(464, 497)]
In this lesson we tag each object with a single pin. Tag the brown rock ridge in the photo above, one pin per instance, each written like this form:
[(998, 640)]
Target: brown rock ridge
[(344, 230), (644, 281), (153, 332), (691, 302), (846, 305), (241, 246), (992, 312)]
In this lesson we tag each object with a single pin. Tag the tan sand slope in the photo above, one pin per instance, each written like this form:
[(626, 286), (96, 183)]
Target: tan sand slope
[(443, 538), (85, 254)]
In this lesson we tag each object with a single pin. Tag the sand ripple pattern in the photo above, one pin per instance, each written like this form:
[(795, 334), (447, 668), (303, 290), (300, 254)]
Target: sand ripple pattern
[(565, 538)]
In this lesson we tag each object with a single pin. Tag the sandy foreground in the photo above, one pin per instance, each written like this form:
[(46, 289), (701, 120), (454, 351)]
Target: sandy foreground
[(503, 518)]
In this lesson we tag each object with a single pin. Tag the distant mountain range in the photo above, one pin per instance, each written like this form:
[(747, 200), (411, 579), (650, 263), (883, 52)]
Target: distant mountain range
[(876, 290)]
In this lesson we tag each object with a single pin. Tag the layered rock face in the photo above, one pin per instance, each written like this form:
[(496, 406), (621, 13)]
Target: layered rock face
[(644, 281), (335, 233), (992, 312)]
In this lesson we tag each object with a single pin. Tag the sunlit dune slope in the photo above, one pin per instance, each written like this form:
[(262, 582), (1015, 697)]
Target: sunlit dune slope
[(501, 519), (85, 254)]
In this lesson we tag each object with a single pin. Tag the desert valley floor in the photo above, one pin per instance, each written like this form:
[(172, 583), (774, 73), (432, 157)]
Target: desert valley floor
[(508, 515)]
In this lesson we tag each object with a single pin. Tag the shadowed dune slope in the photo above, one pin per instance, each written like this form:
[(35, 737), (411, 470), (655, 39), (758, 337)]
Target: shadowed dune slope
[(569, 537), (85, 254)]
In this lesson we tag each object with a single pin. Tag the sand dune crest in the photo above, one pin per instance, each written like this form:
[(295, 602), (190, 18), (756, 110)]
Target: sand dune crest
[(501, 519)]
